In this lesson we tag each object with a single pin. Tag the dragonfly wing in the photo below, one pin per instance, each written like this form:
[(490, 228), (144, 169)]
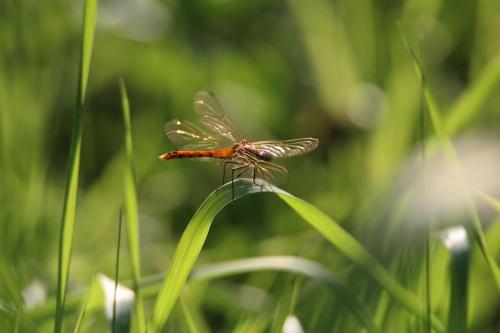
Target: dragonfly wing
[(213, 117), (270, 172), (186, 135), (287, 148)]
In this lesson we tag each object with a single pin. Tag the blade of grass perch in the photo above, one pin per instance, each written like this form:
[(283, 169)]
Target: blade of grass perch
[(196, 232), (454, 164), (71, 191), (131, 213)]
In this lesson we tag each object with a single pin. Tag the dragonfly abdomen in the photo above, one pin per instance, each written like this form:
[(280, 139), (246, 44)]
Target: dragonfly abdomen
[(224, 153)]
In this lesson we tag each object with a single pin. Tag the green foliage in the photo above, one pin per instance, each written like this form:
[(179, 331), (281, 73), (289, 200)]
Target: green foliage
[(196, 233), (381, 184)]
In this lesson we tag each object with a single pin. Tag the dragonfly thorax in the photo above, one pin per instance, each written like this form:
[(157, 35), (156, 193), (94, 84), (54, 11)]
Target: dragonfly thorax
[(244, 148)]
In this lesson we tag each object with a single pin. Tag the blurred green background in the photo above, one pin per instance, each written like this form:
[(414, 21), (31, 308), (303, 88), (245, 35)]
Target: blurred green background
[(335, 70)]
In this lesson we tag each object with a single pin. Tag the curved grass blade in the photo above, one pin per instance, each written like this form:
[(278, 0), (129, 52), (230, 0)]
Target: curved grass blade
[(196, 232), (71, 192), (131, 213)]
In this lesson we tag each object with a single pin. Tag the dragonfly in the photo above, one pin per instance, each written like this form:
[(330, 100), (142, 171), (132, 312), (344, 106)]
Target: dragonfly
[(218, 138)]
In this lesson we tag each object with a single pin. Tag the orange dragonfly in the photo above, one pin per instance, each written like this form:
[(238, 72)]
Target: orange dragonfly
[(220, 139)]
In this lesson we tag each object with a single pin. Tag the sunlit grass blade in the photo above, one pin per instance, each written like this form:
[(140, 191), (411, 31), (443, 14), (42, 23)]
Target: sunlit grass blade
[(451, 156), (90, 298), (491, 201), (71, 192), (131, 212), (196, 232), (470, 102)]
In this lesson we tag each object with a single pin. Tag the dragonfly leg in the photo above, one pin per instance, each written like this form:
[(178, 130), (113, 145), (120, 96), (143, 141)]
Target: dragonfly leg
[(254, 175), (224, 167), (241, 167), (225, 163)]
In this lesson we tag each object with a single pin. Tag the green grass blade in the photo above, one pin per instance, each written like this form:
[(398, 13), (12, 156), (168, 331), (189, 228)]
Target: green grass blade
[(188, 317), (491, 201), (131, 213), (457, 243), (196, 232), (352, 249), (285, 304), (454, 164), (117, 273), (71, 192), (289, 264), (89, 298), (474, 97), (189, 248)]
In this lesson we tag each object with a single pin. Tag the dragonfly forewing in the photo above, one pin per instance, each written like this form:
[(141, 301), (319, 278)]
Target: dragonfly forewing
[(213, 118)]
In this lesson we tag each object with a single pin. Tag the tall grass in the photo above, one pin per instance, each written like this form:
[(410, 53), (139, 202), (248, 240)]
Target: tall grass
[(71, 192), (131, 212), (455, 167), (365, 275)]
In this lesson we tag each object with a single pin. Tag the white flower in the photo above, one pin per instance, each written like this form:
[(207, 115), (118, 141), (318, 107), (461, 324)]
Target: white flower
[(124, 297), (292, 325)]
